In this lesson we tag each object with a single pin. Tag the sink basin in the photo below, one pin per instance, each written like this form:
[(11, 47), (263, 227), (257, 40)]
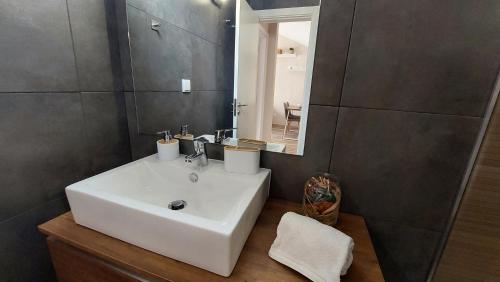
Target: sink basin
[(131, 203)]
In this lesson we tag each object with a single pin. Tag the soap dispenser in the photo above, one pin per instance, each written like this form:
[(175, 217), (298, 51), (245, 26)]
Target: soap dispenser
[(168, 147), (184, 134)]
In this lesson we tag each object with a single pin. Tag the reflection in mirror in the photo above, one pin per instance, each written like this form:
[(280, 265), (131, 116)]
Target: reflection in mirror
[(237, 71), (273, 71)]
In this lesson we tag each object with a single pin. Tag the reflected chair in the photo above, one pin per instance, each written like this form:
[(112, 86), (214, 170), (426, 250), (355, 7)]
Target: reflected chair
[(290, 117)]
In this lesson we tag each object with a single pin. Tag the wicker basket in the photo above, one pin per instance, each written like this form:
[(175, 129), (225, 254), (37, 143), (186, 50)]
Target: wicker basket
[(323, 211)]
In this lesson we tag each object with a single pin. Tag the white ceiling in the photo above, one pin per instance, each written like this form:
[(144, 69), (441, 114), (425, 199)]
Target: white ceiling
[(296, 31)]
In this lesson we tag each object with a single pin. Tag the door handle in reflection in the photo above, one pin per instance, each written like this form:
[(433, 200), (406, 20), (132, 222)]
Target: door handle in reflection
[(237, 106)]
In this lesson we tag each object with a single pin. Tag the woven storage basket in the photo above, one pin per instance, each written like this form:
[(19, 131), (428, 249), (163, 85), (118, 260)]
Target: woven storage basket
[(312, 209)]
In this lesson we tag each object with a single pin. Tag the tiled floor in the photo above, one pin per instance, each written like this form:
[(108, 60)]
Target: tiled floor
[(291, 144)]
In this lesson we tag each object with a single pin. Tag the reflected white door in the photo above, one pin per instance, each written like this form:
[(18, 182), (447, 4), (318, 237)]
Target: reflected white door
[(246, 69), (261, 81)]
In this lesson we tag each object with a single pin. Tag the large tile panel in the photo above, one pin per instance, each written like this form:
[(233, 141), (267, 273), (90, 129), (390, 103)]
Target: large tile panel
[(402, 167), (24, 255), (160, 59), (404, 253), (280, 4), (207, 74), (36, 49), (425, 56), (332, 45), (43, 148), (200, 18), (202, 110), (107, 130), (96, 48)]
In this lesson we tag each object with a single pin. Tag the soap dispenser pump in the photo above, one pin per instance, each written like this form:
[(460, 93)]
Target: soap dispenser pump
[(184, 134), (167, 135), (168, 147)]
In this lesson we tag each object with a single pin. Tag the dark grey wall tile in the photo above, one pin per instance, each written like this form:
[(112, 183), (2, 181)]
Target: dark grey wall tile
[(95, 44), (160, 59), (423, 56), (402, 167), (225, 63), (106, 129), (205, 74), (43, 148), (279, 4), (331, 51), (227, 11), (160, 110), (122, 38), (290, 172), (208, 112), (36, 49), (137, 142), (200, 18), (405, 253), (43, 133), (203, 110), (23, 253)]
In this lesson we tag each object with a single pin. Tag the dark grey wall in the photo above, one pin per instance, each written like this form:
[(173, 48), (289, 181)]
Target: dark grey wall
[(62, 118), (279, 4), (399, 91), (193, 42), (398, 95)]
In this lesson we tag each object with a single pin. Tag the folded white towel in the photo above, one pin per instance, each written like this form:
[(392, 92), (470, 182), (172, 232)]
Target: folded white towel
[(316, 250)]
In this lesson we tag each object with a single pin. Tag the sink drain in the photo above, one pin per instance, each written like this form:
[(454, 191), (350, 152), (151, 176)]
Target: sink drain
[(177, 205), (193, 177)]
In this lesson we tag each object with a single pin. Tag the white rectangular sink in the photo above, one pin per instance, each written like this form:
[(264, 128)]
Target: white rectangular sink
[(131, 203)]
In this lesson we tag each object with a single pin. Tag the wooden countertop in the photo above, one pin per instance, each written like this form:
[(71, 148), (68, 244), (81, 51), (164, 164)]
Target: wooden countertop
[(253, 265)]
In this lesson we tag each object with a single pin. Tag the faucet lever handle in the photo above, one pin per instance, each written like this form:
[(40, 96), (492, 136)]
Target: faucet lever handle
[(184, 129), (220, 134), (167, 134), (199, 144)]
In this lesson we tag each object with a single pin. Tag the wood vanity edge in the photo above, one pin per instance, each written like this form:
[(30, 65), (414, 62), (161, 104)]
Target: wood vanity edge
[(253, 264)]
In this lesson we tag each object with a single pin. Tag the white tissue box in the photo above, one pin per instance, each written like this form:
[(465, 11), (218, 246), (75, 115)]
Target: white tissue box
[(241, 160)]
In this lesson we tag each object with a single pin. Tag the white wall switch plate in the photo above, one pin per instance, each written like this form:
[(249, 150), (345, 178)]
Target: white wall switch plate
[(186, 86)]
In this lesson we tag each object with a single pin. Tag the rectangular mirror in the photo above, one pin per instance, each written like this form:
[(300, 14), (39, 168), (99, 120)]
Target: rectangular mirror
[(238, 72)]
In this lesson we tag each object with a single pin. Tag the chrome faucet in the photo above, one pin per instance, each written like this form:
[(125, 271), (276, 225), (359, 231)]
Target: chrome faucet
[(220, 135), (200, 155)]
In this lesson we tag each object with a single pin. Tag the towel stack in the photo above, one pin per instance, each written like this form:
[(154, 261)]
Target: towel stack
[(317, 251)]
